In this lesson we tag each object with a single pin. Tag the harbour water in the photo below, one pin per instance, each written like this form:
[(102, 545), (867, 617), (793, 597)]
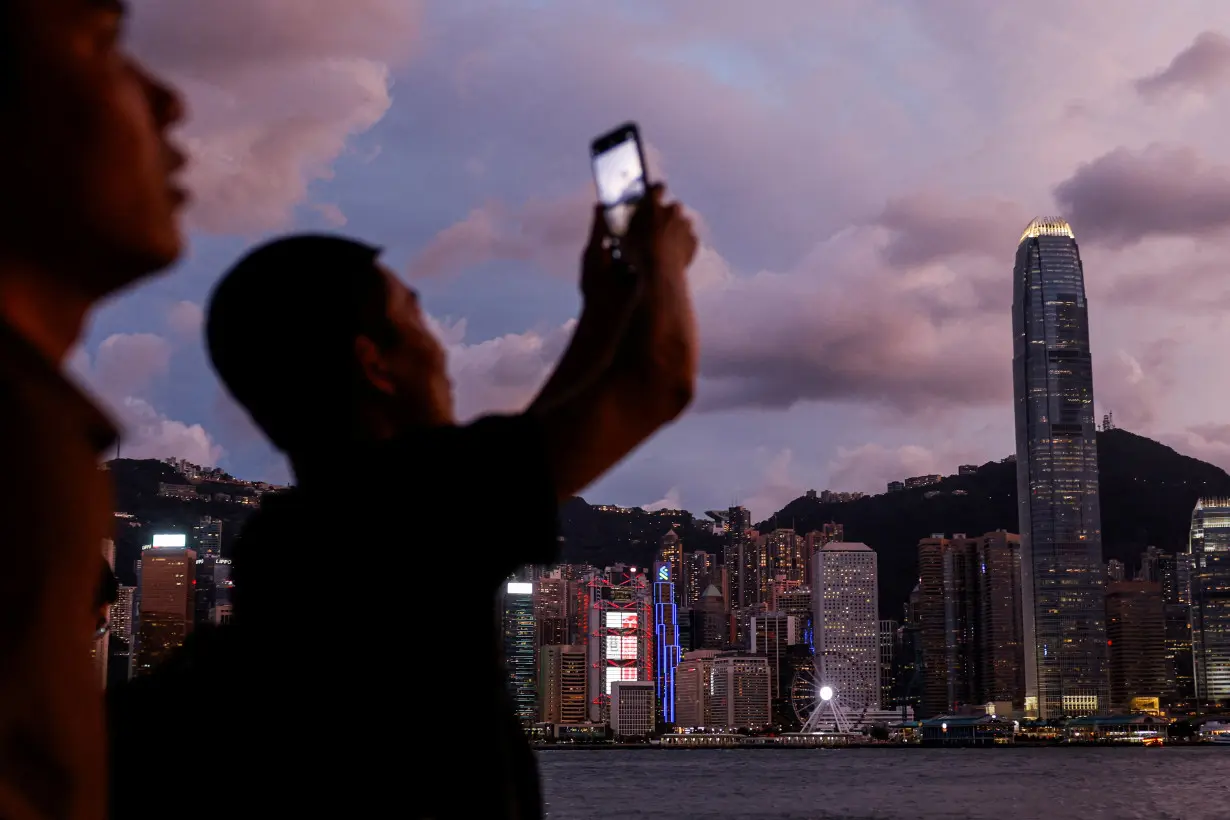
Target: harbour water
[(1177, 783)]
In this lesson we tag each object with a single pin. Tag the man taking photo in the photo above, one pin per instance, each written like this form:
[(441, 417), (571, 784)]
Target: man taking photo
[(364, 649)]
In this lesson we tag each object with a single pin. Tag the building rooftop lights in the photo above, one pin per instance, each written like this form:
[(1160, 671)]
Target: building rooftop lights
[(1047, 226)]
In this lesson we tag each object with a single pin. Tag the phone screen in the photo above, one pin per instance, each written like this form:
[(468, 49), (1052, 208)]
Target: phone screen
[(621, 180)]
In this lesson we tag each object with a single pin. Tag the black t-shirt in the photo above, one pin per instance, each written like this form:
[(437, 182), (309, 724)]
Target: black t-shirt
[(364, 671)]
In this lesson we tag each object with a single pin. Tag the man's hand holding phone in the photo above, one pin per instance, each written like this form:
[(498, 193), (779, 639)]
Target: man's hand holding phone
[(661, 343)]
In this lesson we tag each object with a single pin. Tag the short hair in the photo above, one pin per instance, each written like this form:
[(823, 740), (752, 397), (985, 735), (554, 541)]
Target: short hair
[(281, 327)]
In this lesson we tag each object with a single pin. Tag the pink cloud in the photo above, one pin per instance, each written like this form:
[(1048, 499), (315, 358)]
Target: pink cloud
[(276, 92)]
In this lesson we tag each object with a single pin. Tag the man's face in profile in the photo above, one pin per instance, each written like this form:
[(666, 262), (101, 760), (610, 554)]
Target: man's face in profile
[(417, 362), (90, 164)]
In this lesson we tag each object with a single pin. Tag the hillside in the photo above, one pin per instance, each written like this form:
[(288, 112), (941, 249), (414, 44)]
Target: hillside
[(136, 494), (1147, 490)]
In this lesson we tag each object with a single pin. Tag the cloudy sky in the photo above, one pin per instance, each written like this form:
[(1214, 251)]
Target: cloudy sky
[(861, 171)]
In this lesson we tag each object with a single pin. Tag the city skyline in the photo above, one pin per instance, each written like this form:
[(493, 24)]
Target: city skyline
[(852, 283)]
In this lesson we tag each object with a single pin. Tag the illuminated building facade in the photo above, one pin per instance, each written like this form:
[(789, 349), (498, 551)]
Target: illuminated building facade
[(119, 663), (698, 569), (633, 713), (665, 639), (564, 684), (1209, 551), (207, 537), (740, 693), (167, 605), (845, 604), (693, 681), (521, 649), (670, 551), (551, 599), (1057, 478), (620, 636), (741, 559)]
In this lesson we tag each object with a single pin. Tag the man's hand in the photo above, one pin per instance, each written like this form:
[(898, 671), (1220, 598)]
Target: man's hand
[(661, 345), (590, 423), (610, 294)]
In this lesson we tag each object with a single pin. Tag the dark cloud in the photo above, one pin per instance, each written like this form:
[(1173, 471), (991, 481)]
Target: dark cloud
[(1125, 196), (1202, 66), (931, 227)]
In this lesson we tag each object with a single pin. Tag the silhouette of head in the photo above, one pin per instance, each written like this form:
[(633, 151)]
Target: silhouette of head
[(88, 191), (323, 345)]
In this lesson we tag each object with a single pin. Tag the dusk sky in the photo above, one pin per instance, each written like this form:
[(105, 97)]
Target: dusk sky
[(861, 172)]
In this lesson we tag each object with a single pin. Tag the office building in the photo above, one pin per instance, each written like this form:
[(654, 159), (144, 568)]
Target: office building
[(1057, 478), (1115, 571), (888, 652), (670, 552), (665, 639), (564, 681), (693, 682), (969, 616), (1136, 637), (120, 643), (167, 605), (739, 695), (741, 558), (1209, 556), (551, 599), (845, 605), (620, 637), (698, 569), (710, 621), (771, 634), (633, 711), (521, 649), (207, 537), (816, 539), (1175, 576)]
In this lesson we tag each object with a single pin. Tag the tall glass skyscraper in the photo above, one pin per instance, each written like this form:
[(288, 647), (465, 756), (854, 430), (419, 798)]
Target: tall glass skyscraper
[(1064, 619), (665, 639), (520, 649), (1210, 597)]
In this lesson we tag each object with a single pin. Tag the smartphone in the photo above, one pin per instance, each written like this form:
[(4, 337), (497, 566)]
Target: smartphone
[(619, 172)]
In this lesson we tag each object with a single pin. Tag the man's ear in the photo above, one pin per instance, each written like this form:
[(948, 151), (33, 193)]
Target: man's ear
[(372, 365)]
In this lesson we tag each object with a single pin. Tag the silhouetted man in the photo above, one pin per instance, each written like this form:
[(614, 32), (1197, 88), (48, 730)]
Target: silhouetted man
[(87, 207), (366, 669)]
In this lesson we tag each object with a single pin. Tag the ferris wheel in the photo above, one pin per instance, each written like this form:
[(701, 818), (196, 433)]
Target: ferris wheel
[(815, 696)]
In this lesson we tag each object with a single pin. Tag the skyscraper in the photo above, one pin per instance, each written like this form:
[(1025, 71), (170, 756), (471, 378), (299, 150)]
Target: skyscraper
[(1210, 598), (166, 600), (564, 684), (846, 622), (620, 638), (520, 649), (1136, 635), (670, 551), (1057, 478), (740, 558), (665, 639)]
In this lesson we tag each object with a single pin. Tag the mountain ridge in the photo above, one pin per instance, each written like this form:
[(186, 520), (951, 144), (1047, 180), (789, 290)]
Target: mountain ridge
[(1148, 491)]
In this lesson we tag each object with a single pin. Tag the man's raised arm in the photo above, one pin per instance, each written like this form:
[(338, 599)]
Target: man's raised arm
[(631, 366)]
